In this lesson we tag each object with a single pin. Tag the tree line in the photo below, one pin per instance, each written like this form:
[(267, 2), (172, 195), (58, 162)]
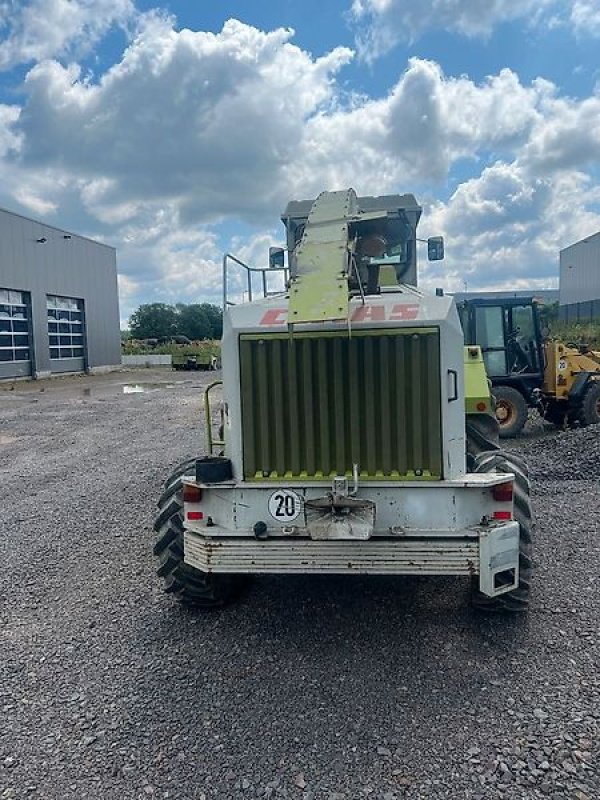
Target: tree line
[(162, 321)]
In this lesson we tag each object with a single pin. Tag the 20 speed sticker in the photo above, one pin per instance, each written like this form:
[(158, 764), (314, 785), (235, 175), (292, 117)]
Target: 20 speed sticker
[(285, 505)]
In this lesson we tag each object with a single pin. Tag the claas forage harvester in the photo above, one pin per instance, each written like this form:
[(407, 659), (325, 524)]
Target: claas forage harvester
[(358, 434)]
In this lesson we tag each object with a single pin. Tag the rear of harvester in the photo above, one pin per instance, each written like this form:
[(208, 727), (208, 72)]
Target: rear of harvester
[(345, 451)]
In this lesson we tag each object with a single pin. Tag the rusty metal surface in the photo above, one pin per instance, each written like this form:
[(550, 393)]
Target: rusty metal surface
[(394, 557)]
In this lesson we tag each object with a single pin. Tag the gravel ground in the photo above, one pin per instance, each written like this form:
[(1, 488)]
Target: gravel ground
[(308, 687)]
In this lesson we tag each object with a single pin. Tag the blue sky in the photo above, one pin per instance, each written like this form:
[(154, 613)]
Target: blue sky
[(177, 130)]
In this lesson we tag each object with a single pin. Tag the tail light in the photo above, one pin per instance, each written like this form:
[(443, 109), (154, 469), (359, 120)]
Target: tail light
[(191, 494), (503, 492)]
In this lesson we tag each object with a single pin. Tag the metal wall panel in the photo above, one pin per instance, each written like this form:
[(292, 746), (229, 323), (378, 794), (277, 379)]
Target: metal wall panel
[(67, 265), (580, 272)]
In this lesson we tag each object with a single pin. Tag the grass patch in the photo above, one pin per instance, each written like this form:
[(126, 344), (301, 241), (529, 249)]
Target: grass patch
[(202, 349)]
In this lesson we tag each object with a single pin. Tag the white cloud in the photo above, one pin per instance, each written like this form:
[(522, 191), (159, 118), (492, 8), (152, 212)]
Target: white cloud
[(192, 128), (585, 17), (39, 29), (504, 229), (566, 134), (10, 140), (382, 24), (425, 124), (208, 120)]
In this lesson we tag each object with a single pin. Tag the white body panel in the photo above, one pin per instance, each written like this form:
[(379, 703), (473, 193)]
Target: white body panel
[(429, 528), (417, 526), (405, 308)]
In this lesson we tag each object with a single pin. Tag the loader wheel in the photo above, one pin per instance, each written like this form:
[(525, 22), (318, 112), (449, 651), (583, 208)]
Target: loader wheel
[(588, 412), (517, 599), (556, 414), (511, 411), (189, 585)]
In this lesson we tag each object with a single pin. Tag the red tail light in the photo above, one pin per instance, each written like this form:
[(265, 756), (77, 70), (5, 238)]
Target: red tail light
[(191, 494), (503, 492), (195, 515), (502, 515)]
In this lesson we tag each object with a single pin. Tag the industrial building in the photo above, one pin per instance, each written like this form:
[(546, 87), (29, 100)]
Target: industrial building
[(579, 288), (59, 307)]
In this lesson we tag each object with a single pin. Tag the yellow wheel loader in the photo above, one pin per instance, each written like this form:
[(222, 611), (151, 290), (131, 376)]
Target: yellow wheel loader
[(561, 381)]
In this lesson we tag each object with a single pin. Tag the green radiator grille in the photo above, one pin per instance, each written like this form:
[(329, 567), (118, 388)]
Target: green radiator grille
[(314, 405)]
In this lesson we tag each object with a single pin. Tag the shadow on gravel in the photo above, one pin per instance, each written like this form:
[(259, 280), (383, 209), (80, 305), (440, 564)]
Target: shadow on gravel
[(422, 629), (306, 667)]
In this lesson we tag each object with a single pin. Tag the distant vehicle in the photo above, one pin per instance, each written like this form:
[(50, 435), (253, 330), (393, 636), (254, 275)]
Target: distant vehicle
[(562, 381), (194, 363)]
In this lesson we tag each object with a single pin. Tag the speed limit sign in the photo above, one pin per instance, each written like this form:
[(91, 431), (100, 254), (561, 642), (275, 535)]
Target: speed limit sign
[(285, 505)]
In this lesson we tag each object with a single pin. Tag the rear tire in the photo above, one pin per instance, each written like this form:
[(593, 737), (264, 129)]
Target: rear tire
[(190, 586), (511, 411), (482, 436), (588, 413), (517, 599)]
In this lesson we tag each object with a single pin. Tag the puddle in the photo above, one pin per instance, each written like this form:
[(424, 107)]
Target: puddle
[(135, 388), (140, 388)]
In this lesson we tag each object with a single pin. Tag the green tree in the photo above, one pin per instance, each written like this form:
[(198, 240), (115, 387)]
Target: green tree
[(200, 321), (215, 318), (548, 314), (193, 322), (153, 321)]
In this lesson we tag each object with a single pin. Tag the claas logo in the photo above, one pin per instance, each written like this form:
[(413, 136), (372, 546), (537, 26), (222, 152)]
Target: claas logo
[(366, 313)]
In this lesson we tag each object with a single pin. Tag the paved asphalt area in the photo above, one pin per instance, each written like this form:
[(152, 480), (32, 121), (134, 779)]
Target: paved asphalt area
[(308, 687)]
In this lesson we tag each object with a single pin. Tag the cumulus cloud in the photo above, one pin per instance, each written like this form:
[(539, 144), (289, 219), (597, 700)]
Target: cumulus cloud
[(208, 119), (38, 29), (585, 17), (382, 24), (425, 124), (505, 228), (190, 129)]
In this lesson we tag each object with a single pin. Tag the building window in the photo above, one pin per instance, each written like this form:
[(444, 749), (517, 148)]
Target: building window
[(14, 326), (65, 327)]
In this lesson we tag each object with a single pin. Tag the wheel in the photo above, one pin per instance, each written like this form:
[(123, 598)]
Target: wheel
[(517, 599), (511, 411), (588, 413), (189, 585), (482, 436), (556, 413)]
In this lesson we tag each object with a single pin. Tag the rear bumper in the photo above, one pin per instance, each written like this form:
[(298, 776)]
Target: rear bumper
[(491, 552)]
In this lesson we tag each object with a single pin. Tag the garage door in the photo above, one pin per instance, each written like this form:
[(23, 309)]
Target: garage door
[(15, 334), (66, 334)]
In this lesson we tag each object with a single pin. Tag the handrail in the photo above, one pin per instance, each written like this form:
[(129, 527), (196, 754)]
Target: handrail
[(249, 272), (210, 442)]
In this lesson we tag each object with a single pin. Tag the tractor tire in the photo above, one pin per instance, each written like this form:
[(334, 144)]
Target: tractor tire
[(517, 599), (482, 436), (191, 586), (511, 411), (588, 413)]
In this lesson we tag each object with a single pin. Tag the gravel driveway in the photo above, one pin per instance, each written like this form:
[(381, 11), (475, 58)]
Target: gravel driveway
[(308, 687)]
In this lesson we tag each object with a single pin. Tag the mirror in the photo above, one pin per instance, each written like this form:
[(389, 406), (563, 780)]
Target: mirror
[(435, 248), (276, 257)]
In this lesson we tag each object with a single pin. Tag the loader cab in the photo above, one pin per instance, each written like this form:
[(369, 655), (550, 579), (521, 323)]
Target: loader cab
[(509, 334)]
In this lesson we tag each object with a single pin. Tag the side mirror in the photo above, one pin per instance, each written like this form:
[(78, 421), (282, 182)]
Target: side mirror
[(435, 248), (276, 258)]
